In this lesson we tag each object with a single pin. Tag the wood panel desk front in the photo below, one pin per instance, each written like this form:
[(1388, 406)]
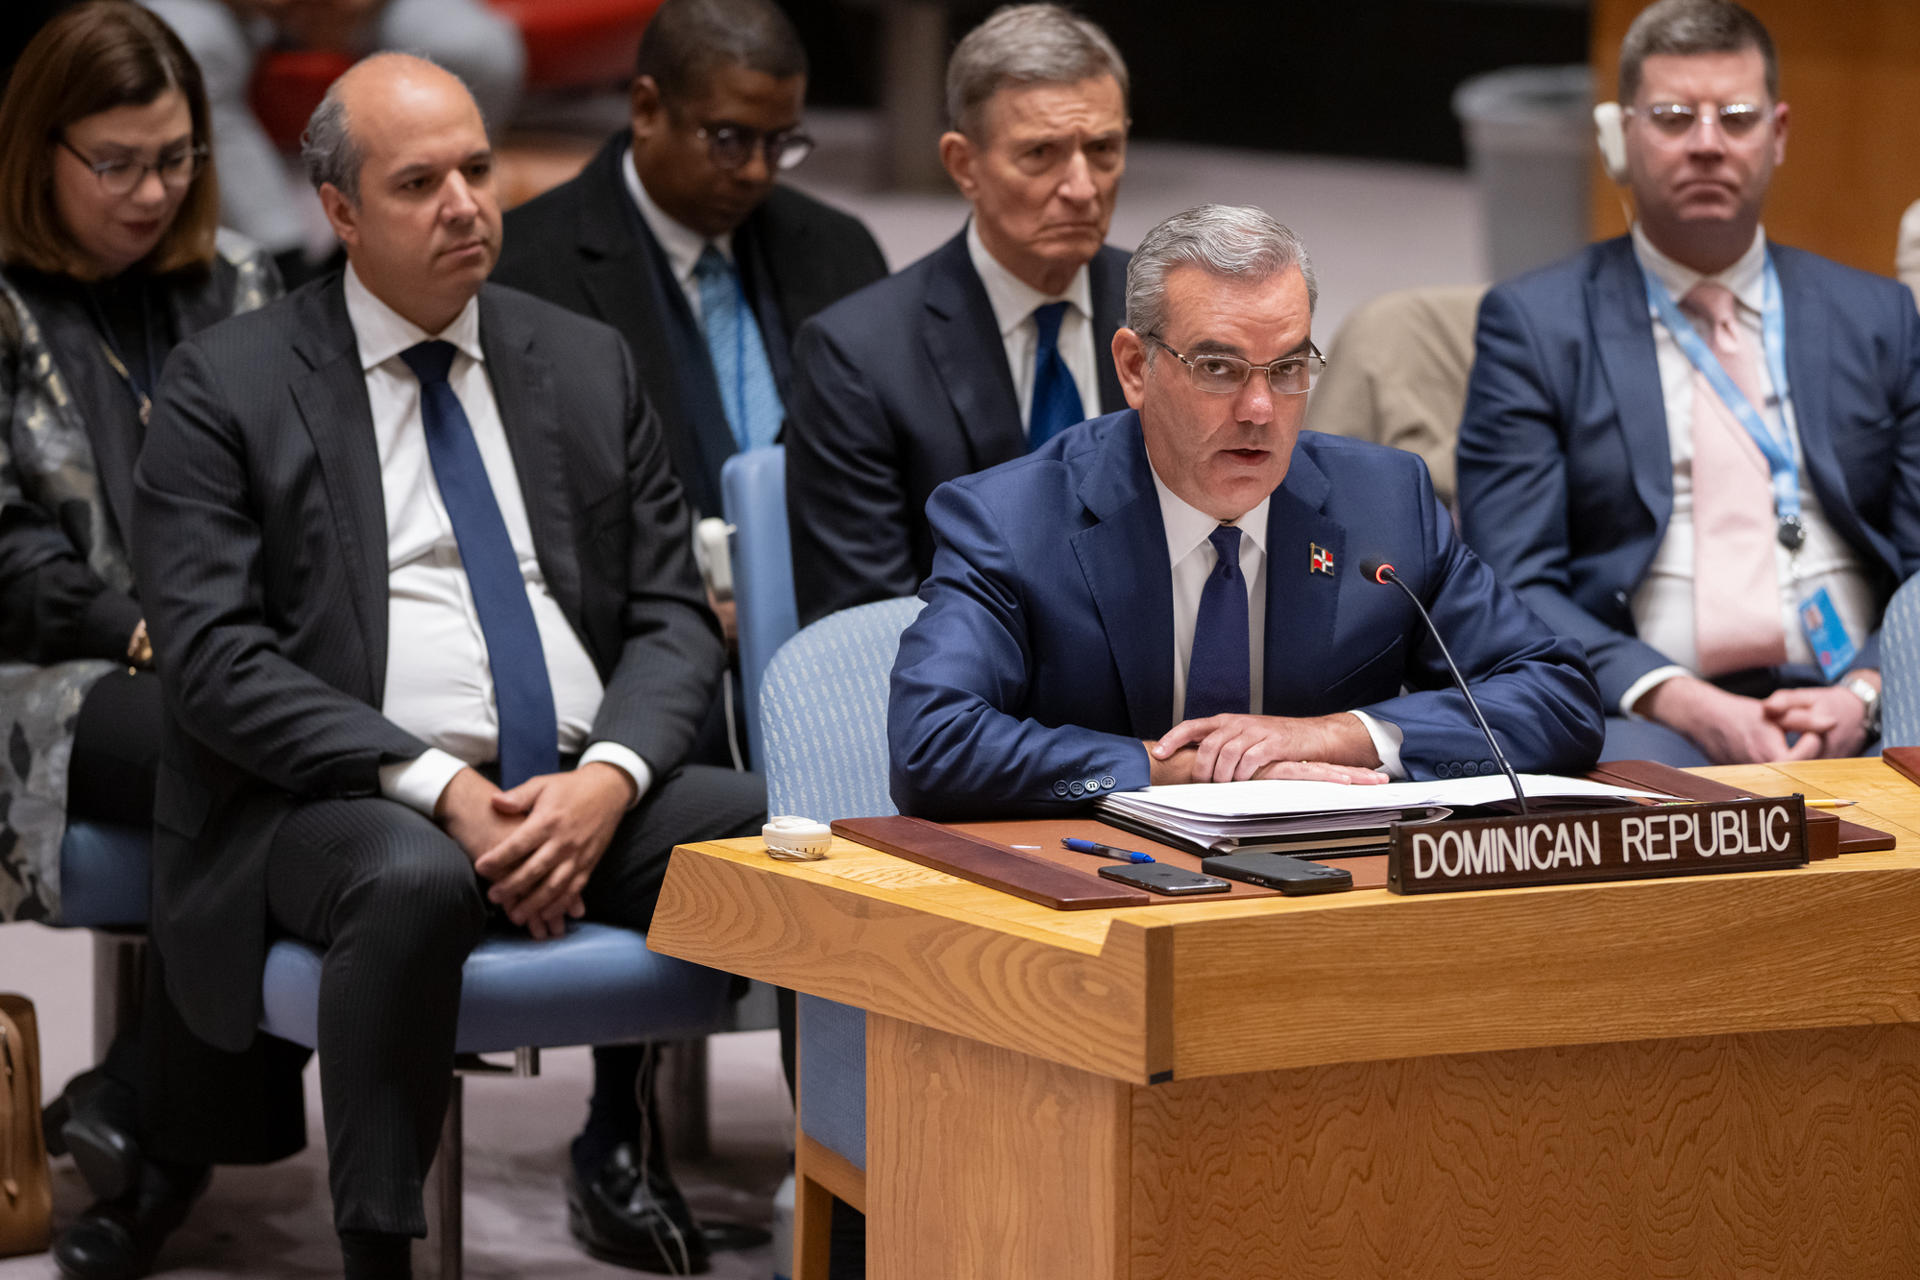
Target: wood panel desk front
[(1702, 1077)]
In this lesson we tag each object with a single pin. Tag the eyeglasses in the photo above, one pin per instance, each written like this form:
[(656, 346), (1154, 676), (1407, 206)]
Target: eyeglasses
[(177, 169), (1225, 375), (730, 146), (1676, 119)]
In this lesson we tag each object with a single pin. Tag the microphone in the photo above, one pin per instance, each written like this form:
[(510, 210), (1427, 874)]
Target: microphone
[(1381, 572)]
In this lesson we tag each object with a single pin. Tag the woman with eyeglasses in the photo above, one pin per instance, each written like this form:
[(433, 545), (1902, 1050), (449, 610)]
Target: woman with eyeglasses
[(110, 255)]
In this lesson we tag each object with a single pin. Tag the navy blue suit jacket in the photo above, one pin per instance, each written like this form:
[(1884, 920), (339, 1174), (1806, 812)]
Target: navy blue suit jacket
[(898, 389), (1045, 653), (1565, 477)]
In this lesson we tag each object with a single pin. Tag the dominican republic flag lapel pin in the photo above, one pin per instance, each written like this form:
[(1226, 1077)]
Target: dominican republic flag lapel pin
[(1321, 559)]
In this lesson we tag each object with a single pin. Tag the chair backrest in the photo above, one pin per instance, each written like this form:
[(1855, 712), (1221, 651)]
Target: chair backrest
[(1900, 668), (1397, 375), (753, 494), (823, 709)]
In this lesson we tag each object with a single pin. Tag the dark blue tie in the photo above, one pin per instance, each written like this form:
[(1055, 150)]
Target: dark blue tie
[(1218, 672), (529, 733), (1056, 401)]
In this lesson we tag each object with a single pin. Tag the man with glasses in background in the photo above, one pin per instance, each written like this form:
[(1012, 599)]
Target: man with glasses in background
[(1695, 451), (989, 345), (1173, 593), (678, 235)]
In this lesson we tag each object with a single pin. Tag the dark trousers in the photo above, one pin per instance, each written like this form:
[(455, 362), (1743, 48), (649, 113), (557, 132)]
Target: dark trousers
[(397, 906), (196, 1104)]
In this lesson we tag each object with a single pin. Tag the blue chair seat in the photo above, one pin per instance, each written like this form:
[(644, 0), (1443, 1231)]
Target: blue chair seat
[(597, 985), (105, 874)]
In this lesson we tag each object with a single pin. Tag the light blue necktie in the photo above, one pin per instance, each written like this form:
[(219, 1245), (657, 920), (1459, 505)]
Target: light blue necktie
[(529, 732), (1056, 401), (748, 392), (1219, 679)]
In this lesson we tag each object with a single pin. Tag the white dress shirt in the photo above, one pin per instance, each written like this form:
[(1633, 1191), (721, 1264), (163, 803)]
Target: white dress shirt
[(1663, 610), (1013, 301), (1192, 558), (439, 685), (681, 243)]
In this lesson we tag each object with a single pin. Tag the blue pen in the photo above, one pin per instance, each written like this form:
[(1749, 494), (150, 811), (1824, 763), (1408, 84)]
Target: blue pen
[(1103, 850)]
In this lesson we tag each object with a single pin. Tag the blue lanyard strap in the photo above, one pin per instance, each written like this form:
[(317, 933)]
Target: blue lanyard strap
[(1776, 448)]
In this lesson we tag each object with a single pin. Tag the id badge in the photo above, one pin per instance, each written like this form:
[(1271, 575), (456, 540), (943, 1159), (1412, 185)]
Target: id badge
[(1832, 647)]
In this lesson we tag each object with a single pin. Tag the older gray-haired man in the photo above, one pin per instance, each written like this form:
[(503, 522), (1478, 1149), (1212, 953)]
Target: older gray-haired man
[(988, 346), (1171, 593)]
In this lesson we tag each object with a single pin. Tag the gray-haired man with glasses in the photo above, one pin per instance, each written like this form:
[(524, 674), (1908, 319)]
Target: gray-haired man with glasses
[(679, 235), (1172, 593)]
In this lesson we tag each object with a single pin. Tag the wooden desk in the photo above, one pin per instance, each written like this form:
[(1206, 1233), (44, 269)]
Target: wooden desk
[(1704, 1077)]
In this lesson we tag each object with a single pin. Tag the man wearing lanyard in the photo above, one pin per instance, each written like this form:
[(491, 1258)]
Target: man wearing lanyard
[(1697, 451)]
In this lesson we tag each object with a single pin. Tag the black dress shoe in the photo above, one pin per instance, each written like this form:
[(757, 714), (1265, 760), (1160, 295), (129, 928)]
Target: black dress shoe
[(635, 1217), (95, 1120), (117, 1239)]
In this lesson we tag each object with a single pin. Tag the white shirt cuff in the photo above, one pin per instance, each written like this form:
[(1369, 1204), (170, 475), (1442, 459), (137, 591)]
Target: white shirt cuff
[(1386, 743), (1645, 685), (626, 761), (417, 783)]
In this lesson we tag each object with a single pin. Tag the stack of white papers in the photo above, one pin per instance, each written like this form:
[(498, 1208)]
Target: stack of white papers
[(1234, 815)]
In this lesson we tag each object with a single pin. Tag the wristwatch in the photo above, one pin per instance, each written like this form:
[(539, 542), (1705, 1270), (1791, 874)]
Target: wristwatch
[(1867, 693)]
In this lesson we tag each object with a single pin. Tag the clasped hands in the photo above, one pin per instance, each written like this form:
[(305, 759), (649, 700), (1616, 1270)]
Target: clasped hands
[(1232, 748), (1732, 729), (537, 843)]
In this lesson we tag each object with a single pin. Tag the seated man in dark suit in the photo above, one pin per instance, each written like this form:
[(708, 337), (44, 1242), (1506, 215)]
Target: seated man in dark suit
[(1171, 593), (987, 346), (679, 221), (428, 621), (1693, 450)]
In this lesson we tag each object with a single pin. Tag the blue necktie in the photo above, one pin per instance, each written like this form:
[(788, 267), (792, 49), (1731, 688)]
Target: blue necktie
[(747, 390), (1056, 401), (1218, 674), (529, 732)]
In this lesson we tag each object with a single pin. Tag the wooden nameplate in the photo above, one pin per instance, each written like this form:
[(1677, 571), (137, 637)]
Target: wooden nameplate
[(1828, 835), (1631, 843), (1904, 761), (1024, 876)]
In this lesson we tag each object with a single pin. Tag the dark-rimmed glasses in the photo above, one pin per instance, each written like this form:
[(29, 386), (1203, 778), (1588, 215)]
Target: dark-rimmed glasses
[(119, 177), (730, 146), (1676, 119), (1225, 375)]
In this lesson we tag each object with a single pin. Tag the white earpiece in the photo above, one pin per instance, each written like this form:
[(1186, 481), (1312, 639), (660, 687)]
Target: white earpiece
[(1609, 134)]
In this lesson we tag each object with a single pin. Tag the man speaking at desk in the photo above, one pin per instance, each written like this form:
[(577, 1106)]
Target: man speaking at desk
[(1171, 593)]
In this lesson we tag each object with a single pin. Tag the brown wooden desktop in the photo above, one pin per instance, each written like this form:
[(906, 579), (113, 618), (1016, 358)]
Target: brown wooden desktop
[(1698, 1077)]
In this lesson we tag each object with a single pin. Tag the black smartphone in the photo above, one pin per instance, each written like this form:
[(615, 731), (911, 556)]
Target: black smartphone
[(1291, 876), (1161, 877)]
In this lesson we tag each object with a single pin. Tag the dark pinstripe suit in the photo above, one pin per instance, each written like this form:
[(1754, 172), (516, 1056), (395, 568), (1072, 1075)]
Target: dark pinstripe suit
[(263, 535)]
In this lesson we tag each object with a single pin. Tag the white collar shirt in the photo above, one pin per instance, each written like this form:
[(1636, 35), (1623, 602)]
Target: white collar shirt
[(1662, 605), (1013, 301), (681, 243), (439, 685), (1191, 556)]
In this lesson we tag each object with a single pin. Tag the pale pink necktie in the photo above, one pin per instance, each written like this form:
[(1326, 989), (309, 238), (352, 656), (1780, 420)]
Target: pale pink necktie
[(1736, 585)]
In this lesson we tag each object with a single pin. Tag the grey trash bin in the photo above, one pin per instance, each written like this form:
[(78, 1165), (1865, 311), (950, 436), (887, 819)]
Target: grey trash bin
[(1529, 133)]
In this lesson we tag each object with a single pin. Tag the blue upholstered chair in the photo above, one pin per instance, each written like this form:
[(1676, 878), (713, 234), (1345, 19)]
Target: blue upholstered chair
[(597, 985), (753, 490), (823, 709), (1900, 668), (106, 874)]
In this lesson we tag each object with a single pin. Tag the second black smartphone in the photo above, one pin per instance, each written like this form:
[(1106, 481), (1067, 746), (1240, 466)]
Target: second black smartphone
[(1292, 876), (1160, 877)]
